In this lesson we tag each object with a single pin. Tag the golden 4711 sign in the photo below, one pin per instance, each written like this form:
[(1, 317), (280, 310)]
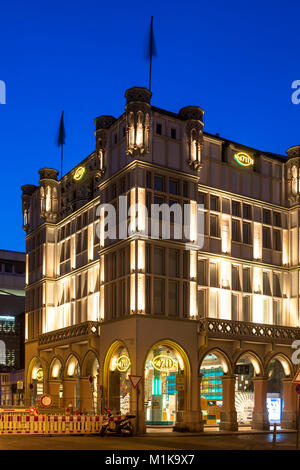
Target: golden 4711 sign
[(243, 159), (163, 363)]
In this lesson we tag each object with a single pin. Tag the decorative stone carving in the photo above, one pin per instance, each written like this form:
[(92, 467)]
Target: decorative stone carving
[(27, 191), (293, 174), (70, 333), (48, 194), (102, 124), (247, 330), (138, 120), (193, 115)]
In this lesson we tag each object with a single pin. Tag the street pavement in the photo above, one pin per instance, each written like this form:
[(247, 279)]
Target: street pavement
[(152, 441)]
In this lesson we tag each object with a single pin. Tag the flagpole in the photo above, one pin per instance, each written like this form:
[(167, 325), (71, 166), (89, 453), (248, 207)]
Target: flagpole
[(61, 160), (151, 51), (61, 141)]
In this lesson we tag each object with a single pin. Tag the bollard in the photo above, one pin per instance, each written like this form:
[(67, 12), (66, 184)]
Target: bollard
[(274, 436)]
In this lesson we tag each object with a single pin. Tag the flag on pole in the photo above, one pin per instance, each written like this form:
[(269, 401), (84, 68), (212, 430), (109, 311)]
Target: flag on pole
[(61, 140), (151, 50)]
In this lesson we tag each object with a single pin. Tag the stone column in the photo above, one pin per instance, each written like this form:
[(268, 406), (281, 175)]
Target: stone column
[(137, 407), (260, 418), (53, 390), (191, 420), (289, 412), (69, 385), (86, 395), (228, 414)]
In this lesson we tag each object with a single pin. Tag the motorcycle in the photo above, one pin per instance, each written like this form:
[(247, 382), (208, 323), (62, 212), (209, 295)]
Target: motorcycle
[(118, 425)]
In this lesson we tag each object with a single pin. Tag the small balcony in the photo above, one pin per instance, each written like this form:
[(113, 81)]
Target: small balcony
[(71, 334), (255, 332)]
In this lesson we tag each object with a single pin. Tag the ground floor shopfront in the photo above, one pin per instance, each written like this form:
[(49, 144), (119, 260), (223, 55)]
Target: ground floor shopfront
[(191, 376)]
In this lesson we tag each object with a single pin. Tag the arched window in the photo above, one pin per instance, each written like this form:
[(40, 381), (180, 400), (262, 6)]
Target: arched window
[(2, 353)]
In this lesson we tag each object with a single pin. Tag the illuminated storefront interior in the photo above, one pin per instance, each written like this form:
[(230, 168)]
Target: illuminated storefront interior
[(119, 385), (211, 389), (164, 385), (37, 380)]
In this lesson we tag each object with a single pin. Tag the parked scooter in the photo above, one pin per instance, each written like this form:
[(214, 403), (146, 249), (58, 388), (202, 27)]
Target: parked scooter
[(118, 425)]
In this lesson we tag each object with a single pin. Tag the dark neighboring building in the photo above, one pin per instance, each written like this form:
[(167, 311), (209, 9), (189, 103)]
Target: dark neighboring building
[(12, 308)]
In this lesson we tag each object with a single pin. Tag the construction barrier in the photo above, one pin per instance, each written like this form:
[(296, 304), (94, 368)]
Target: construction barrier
[(49, 424)]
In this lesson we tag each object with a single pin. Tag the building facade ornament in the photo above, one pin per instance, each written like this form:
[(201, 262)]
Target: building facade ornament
[(138, 120), (193, 115)]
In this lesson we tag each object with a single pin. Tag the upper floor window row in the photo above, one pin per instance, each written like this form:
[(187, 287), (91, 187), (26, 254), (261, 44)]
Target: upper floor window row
[(241, 209)]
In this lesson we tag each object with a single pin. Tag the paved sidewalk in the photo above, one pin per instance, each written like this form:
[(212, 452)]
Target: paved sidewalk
[(213, 431)]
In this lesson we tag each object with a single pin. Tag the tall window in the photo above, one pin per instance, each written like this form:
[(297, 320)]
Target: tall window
[(267, 217), (247, 233), (213, 274), (173, 186), (2, 353), (246, 308), (202, 199), (159, 265), (236, 232), (159, 288), (277, 219), (266, 283), (276, 285), (236, 285), (246, 280), (247, 211), (173, 133), (236, 208), (277, 240), (173, 298), (201, 272), (158, 183), (213, 309), (173, 263), (234, 307), (213, 226), (276, 312), (266, 237), (214, 203), (201, 303), (265, 310)]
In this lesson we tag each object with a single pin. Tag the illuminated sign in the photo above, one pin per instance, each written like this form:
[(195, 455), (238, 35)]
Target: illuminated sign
[(163, 363), (274, 409), (38, 374), (46, 400), (7, 317), (123, 363), (79, 173), (243, 159)]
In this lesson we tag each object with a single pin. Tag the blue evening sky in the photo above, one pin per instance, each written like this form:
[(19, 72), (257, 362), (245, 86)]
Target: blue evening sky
[(235, 59)]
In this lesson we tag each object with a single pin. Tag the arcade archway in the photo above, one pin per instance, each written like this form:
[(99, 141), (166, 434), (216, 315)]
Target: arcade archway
[(117, 368), (166, 383), (247, 367), (212, 368)]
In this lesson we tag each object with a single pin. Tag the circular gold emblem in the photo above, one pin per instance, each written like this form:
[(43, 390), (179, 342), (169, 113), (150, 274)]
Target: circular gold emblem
[(123, 363), (79, 173)]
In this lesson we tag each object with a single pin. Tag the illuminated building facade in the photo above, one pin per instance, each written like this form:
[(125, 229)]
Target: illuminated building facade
[(99, 309)]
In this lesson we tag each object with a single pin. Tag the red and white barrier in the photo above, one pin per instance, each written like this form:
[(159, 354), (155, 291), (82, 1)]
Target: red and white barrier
[(49, 424)]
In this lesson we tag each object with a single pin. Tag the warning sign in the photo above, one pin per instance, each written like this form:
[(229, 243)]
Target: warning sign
[(296, 379)]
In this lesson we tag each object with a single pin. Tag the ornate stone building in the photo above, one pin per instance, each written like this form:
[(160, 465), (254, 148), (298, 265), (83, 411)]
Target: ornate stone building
[(164, 308)]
